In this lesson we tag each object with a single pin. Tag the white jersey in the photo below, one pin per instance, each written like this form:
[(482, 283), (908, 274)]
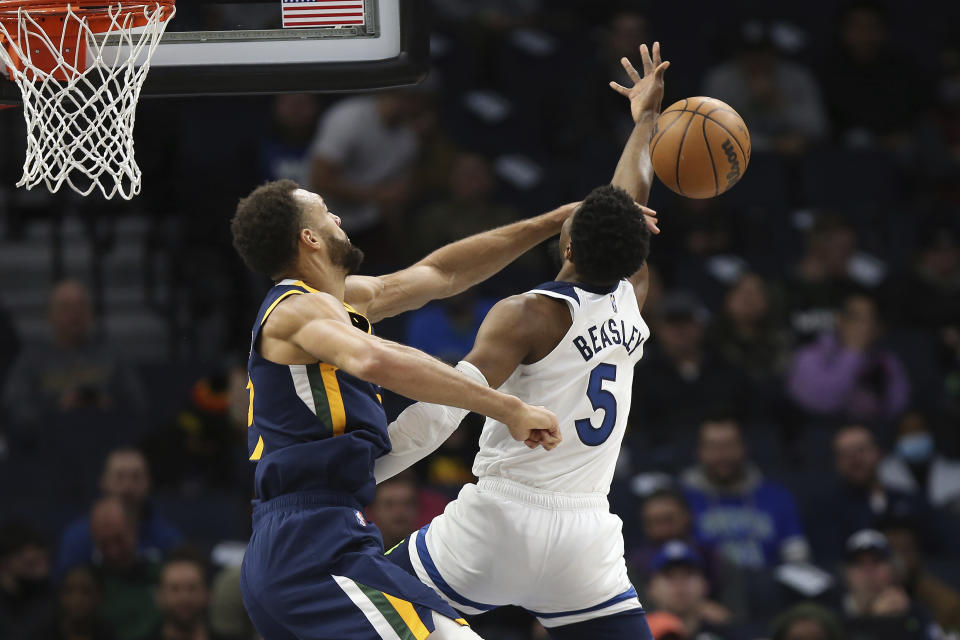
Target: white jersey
[(587, 380)]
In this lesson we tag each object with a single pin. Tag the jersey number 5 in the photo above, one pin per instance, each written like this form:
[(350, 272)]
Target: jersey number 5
[(600, 398)]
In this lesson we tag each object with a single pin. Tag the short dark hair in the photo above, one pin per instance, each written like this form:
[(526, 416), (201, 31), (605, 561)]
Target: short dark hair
[(186, 554), (666, 493), (266, 226), (608, 236)]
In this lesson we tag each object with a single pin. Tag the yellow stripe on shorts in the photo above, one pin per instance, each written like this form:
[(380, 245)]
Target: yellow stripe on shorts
[(409, 616)]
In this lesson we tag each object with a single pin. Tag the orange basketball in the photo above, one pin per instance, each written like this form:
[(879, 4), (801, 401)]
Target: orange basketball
[(700, 147)]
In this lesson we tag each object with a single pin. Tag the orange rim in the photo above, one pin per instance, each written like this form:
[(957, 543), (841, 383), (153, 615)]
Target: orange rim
[(99, 15), (10, 8)]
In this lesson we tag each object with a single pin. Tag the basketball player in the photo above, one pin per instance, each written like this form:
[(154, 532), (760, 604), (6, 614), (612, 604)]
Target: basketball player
[(536, 530), (314, 568)]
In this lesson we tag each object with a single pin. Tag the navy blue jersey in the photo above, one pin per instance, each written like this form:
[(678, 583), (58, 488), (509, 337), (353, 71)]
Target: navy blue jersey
[(311, 427)]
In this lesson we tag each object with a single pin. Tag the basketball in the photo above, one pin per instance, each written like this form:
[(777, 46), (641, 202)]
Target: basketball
[(700, 147)]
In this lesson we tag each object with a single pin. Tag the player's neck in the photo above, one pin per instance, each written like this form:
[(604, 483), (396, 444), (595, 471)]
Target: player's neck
[(568, 273), (325, 278)]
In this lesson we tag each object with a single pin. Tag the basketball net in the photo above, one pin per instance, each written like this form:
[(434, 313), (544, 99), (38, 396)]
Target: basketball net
[(80, 71)]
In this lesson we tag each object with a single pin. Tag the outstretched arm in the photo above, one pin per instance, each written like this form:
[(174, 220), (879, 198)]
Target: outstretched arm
[(453, 268), (315, 326), (505, 340), (634, 172)]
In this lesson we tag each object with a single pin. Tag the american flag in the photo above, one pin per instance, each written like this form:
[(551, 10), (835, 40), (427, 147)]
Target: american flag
[(321, 13)]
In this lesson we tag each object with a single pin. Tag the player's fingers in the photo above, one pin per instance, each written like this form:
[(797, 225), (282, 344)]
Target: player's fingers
[(645, 59), (656, 53), (628, 67), (645, 210), (531, 443), (663, 66), (619, 88), (652, 225)]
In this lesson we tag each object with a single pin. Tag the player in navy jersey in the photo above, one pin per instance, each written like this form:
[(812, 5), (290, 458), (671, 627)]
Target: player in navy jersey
[(314, 568)]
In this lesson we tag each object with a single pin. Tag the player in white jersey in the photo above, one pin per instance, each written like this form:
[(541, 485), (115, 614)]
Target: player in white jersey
[(536, 530)]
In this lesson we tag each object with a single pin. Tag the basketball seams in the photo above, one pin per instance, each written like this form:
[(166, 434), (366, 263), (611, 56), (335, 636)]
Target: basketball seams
[(680, 146), (713, 165), (653, 148), (746, 158)]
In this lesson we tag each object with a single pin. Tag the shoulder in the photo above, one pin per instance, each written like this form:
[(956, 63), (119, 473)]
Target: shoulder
[(530, 306), (297, 310)]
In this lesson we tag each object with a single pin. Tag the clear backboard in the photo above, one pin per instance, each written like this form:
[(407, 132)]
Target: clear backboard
[(276, 46)]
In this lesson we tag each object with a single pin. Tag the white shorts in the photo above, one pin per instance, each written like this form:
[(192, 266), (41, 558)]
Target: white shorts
[(559, 556)]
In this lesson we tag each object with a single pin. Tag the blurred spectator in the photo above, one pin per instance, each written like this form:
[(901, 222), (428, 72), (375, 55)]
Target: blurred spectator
[(858, 500), (936, 596), (916, 467), (228, 617), (446, 329), (285, 148), (937, 139), (464, 209), (666, 626), (72, 370), (25, 598), (873, 599), (780, 99), (807, 622), (127, 478), (129, 578), (753, 522), (866, 108), (395, 509), (200, 450), (362, 157), (665, 516), (678, 382), (678, 587), (846, 373), (830, 270), (78, 617), (746, 333), (183, 598), (929, 296)]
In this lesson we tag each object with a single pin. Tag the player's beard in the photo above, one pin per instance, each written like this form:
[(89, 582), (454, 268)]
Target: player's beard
[(344, 254)]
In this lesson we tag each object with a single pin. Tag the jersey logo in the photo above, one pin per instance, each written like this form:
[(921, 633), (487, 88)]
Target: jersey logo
[(360, 518), (613, 302)]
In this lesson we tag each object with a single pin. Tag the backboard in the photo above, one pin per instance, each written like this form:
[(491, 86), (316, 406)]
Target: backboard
[(244, 47)]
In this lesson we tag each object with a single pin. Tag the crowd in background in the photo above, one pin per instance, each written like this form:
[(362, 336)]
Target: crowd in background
[(791, 468)]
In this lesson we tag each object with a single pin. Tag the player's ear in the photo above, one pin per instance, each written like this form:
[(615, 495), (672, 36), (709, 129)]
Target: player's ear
[(311, 238)]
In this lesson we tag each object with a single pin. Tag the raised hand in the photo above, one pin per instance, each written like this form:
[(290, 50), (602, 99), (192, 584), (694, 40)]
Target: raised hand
[(646, 94)]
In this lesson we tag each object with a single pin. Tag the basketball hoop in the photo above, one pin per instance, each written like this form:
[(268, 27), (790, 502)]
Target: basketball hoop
[(80, 66)]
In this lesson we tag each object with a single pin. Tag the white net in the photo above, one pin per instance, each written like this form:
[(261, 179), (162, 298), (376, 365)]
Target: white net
[(80, 90)]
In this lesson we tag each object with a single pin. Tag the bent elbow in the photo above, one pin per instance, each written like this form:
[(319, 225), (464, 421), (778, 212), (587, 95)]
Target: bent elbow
[(370, 366)]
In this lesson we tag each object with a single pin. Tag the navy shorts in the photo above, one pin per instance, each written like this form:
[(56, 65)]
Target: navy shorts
[(315, 570)]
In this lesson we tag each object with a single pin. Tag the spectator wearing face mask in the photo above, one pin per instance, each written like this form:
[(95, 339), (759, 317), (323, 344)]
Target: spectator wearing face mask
[(915, 466)]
